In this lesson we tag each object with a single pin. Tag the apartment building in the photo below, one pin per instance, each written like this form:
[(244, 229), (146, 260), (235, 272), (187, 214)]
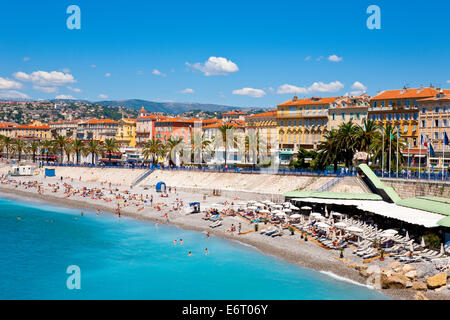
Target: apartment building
[(97, 129), (434, 121), (345, 109), (64, 128), (126, 132)]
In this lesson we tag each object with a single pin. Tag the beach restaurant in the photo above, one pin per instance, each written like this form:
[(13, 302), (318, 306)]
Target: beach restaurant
[(418, 216)]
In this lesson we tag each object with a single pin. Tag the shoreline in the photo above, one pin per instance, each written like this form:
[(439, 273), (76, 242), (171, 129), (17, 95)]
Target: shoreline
[(330, 267)]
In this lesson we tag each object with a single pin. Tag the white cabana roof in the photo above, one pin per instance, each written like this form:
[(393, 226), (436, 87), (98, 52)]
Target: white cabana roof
[(385, 209), (295, 216)]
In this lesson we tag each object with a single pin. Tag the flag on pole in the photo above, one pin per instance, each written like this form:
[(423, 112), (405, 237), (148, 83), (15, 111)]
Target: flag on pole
[(432, 151)]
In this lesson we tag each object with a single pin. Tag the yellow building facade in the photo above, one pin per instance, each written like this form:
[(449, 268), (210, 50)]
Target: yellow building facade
[(126, 132), (400, 108), (303, 122)]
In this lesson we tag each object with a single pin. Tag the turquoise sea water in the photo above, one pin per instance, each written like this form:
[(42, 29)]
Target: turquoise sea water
[(128, 259)]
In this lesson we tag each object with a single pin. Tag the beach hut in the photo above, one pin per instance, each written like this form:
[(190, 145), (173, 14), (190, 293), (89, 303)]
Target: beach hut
[(49, 172), (160, 187)]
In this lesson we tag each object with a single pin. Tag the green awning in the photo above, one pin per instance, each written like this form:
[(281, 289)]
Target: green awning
[(445, 222), (332, 195)]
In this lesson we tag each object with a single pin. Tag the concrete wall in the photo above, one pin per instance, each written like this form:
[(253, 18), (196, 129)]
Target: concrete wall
[(413, 188), (235, 182)]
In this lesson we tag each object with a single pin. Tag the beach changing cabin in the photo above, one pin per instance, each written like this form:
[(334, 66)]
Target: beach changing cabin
[(21, 171), (160, 187)]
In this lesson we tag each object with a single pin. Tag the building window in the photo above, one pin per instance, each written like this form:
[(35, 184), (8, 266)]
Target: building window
[(343, 116), (423, 123), (436, 123), (333, 116)]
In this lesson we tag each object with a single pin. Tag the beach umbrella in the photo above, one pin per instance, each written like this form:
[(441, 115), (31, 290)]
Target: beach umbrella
[(354, 229), (295, 216), (264, 211), (322, 225), (287, 210), (336, 214), (407, 236), (422, 244), (306, 208), (326, 211), (280, 214), (411, 247), (389, 232), (316, 215), (252, 207), (340, 225), (267, 201), (293, 207), (278, 206), (442, 249)]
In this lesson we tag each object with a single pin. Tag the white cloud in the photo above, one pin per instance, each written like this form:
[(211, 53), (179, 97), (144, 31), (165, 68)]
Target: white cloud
[(308, 58), (13, 94), (215, 66), (93, 66), (26, 59), (64, 96), (107, 74), (335, 58), (66, 70), (315, 87), (254, 93), (156, 72), (358, 86), (187, 90), (102, 96), (9, 84), (448, 81), (46, 89), (45, 79), (74, 89)]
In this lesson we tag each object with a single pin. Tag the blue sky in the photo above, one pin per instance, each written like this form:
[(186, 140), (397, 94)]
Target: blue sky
[(242, 53)]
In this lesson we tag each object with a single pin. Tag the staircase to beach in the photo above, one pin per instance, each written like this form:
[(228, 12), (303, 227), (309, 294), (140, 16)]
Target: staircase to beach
[(141, 177)]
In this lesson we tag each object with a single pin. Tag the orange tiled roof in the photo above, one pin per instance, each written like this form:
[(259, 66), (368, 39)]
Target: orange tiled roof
[(153, 116), (233, 112), (309, 101), (101, 121), (6, 125), (233, 123), (27, 126), (444, 97), (269, 114), (406, 93)]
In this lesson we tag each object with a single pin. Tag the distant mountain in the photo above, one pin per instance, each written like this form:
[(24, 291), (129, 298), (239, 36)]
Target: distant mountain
[(167, 107)]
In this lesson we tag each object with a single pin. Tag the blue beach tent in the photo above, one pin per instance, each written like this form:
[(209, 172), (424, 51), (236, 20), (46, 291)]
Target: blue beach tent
[(196, 206), (160, 187), (49, 172)]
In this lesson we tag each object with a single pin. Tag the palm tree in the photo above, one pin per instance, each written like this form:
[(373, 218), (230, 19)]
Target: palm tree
[(346, 141), (390, 144), (173, 144), (33, 147), (19, 146), (223, 130), (68, 149), (151, 149), (77, 148), (7, 143), (47, 147), (365, 135), (163, 150), (328, 151), (110, 147), (60, 143), (93, 148), (199, 144)]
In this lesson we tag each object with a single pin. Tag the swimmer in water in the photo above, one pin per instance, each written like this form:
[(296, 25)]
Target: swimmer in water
[(82, 213), (175, 242), (189, 254), (181, 241), (98, 211), (206, 251), (207, 234)]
